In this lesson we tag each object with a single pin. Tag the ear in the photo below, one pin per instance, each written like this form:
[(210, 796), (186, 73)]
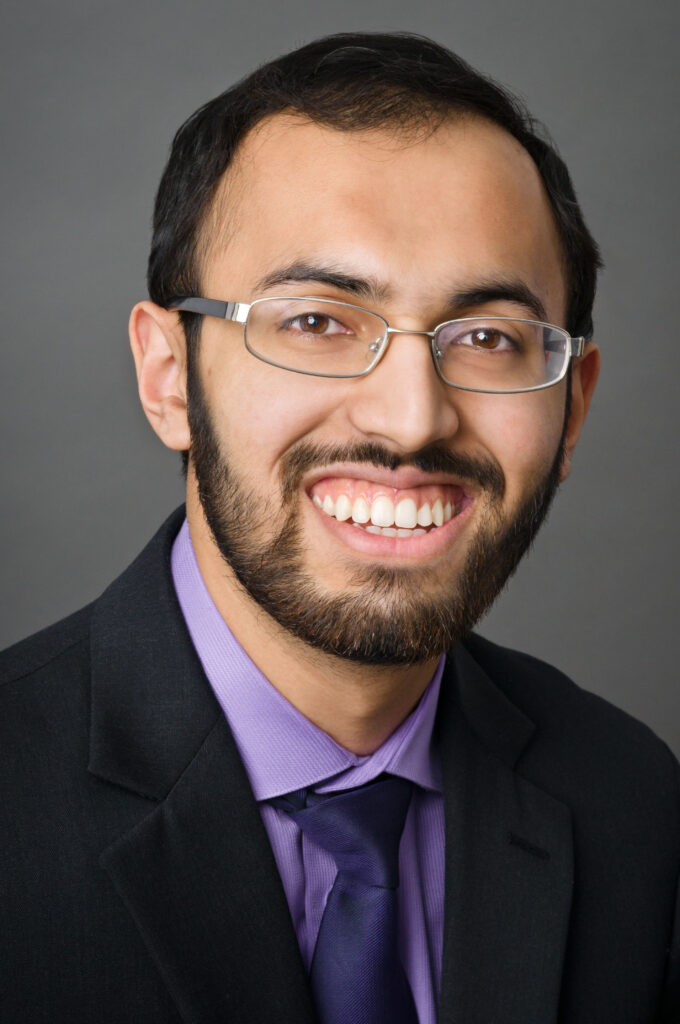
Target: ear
[(584, 374), (159, 350)]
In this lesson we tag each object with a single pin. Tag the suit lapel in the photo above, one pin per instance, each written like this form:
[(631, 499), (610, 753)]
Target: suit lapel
[(197, 874), (199, 878), (509, 871)]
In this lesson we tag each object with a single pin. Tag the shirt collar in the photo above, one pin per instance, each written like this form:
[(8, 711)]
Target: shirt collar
[(283, 751)]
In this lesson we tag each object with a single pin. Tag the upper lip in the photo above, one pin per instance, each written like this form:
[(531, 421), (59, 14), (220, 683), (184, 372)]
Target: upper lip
[(401, 479)]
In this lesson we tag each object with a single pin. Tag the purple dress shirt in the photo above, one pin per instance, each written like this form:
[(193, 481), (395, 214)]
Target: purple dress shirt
[(283, 751)]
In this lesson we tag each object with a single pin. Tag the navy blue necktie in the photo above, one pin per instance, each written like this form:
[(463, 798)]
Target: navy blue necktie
[(356, 975)]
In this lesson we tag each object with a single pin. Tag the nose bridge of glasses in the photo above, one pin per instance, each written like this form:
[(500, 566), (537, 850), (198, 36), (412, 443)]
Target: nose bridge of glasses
[(436, 354), (389, 331), (399, 330)]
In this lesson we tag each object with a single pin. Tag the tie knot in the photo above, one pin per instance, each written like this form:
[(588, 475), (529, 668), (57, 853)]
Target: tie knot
[(360, 828)]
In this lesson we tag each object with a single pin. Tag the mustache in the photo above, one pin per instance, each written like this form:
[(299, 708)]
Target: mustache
[(485, 472)]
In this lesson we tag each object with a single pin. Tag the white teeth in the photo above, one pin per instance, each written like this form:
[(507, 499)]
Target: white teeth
[(382, 511), (424, 515), (390, 531), (406, 514), (361, 513), (343, 508), (383, 514), (438, 513)]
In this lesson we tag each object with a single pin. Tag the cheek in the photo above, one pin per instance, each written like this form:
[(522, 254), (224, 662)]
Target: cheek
[(523, 432), (261, 411)]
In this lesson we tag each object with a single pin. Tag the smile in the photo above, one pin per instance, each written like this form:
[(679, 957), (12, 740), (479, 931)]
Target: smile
[(388, 511)]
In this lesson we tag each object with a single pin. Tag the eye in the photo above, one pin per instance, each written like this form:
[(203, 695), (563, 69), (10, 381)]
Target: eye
[(316, 323), (482, 336), (489, 339)]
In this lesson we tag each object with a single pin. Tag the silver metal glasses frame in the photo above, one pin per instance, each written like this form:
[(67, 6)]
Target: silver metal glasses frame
[(237, 312)]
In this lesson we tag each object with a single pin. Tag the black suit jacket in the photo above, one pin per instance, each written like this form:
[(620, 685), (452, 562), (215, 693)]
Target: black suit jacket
[(138, 885)]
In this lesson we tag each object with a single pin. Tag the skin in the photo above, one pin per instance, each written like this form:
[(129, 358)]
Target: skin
[(425, 218)]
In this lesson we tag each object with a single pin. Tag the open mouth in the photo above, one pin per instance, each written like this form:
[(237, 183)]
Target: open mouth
[(388, 511)]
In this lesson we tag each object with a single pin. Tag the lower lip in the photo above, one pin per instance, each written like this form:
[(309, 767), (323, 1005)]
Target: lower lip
[(422, 546)]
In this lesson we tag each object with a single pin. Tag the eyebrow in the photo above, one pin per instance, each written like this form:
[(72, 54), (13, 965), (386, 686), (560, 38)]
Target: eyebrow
[(372, 290), (504, 291), (368, 288)]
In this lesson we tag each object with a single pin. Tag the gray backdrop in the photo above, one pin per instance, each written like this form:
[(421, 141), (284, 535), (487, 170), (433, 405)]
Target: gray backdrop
[(93, 94)]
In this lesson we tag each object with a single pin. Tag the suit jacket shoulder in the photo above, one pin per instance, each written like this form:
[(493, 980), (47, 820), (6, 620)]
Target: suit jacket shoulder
[(36, 652), (582, 740)]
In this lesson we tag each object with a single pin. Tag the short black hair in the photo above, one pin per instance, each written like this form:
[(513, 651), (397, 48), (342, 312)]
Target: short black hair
[(351, 82)]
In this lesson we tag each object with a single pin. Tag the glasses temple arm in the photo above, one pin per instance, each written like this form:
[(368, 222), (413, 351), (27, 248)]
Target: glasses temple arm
[(237, 311)]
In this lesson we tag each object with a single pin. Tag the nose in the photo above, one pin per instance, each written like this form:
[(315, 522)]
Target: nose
[(403, 402)]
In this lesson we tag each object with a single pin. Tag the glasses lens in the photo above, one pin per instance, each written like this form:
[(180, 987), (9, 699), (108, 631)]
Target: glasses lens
[(501, 354), (314, 335)]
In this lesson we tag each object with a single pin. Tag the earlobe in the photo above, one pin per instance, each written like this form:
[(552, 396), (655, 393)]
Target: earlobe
[(584, 374), (159, 351)]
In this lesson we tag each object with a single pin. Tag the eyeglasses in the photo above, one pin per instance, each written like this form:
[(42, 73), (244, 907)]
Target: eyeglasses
[(325, 338)]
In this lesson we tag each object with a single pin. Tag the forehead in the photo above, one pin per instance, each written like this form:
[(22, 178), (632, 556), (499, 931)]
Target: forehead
[(418, 213)]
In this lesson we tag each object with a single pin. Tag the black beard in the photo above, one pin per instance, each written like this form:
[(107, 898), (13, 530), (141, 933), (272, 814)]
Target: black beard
[(390, 620)]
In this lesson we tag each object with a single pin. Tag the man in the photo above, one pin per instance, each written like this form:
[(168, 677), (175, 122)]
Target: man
[(271, 774)]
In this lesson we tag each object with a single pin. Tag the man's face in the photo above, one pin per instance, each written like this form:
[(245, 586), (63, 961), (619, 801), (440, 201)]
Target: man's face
[(419, 230)]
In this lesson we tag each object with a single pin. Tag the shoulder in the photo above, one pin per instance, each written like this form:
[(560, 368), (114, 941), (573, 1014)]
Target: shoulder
[(46, 650), (581, 740), (145, 584), (44, 690), (546, 694), (44, 713), (44, 694)]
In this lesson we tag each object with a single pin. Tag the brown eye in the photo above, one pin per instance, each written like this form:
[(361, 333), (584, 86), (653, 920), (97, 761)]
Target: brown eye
[(314, 323), (486, 338)]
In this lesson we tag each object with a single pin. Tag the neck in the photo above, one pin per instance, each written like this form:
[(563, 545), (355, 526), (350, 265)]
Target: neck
[(359, 706)]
